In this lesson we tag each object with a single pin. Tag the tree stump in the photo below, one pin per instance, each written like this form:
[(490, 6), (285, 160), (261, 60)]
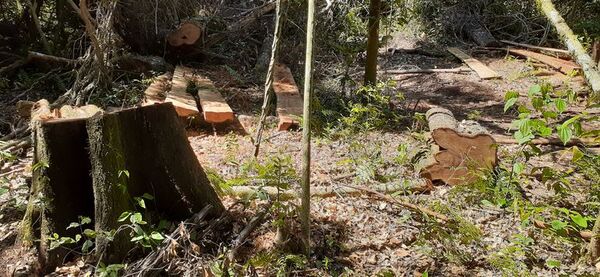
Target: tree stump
[(94, 167), (460, 149)]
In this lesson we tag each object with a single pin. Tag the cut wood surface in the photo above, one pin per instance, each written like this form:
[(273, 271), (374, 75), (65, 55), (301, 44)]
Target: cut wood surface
[(289, 101), (459, 149), (156, 92), (188, 33), (184, 103), (481, 69), (561, 52), (214, 107), (564, 66)]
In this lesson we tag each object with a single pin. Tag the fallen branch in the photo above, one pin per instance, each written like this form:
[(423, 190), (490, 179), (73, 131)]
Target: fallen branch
[(417, 51), (256, 221), (560, 52), (429, 71)]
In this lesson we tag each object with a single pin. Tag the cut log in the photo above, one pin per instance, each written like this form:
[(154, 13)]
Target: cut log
[(589, 68), (289, 102), (151, 145), (156, 92), (460, 150), (214, 107), (188, 33), (60, 175), (566, 67), (184, 103), (428, 71), (481, 69)]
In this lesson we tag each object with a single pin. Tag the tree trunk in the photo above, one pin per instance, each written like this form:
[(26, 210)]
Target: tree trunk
[(480, 35), (372, 42), (150, 144), (594, 245), (308, 72), (588, 66)]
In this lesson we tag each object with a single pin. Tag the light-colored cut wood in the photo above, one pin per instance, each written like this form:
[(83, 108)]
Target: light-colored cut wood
[(156, 92), (481, 69), (184, 103), (289, 102), (566, 67), (214, 107)]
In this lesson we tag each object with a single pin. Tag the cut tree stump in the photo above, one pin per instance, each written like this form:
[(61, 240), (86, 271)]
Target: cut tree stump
[(289, 102), (188, 33), (150, 144), (61, 187), (214, 107), (184, 103), (481, 69), (564, 66), (460, 149), (94, 167)]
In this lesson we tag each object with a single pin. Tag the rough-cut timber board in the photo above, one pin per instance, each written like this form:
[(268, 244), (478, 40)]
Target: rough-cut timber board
[(214, 107), (481, 69), (156, 92), (289, 102), (563, 66), (184, 103)]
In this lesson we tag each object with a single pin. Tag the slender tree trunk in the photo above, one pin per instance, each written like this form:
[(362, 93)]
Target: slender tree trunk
[(305, 209), (573, 45), (594, 245), (372, 43)]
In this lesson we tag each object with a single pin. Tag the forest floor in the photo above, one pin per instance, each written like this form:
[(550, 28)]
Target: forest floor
[(364, 235)]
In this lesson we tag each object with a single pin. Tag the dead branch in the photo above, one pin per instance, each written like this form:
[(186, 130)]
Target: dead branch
[(429, 71)]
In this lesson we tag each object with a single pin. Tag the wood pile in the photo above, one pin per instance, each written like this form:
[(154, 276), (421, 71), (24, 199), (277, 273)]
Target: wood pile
[(460, 150)]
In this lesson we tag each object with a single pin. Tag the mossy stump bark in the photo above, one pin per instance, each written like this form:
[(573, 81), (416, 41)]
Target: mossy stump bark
[(61, 187), (95, 167), (149, 143)]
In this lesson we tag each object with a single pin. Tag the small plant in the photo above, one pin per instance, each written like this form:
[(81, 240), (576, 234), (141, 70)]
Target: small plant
[(511, 259), (142, 234)]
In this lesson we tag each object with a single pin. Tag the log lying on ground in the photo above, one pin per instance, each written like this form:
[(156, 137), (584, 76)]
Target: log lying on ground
[(589, 68), (460, 149), (188, 33), (150, 143), (564, 54), (79, 171), (458, 70), (564, 66)]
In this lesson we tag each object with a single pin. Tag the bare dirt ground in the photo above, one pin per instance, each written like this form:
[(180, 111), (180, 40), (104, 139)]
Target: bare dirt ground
[(361, 234)]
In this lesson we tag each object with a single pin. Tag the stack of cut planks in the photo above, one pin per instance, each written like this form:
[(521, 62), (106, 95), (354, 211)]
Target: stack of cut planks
[(190, 93), (289, 102)]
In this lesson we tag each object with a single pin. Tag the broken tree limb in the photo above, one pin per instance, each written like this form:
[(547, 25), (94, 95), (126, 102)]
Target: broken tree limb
[(589, 68), (560, 52), (458, 70)]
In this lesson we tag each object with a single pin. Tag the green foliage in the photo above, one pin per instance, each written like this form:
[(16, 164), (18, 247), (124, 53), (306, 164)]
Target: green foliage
[(511, 260), (111, 270), (85, 234)]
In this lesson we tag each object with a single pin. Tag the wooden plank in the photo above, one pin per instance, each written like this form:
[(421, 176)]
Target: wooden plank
[(156, 92), (566, 67), (214, 107), (184, 103), (562, 52), (289, 102), (481, 69)]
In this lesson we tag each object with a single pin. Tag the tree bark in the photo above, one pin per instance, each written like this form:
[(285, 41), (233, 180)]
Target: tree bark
[(589, 68), (372, 42), (151, 145), (308, 72)]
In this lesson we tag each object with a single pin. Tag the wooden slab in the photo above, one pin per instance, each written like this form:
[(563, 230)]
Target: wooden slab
[(156, 92), (289, 102), (563, 66), (184, 103), (481, 69), (214, 107)]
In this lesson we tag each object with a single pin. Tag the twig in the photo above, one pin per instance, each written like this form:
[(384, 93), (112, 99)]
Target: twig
[(256, 221)]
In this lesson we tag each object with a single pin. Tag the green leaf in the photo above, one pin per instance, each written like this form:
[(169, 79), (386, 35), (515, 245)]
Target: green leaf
[(545, 131), (86, 246), (560, 104), (137, 238), (77, 238), (140, 202), (564, 133), (577, 154), (518, 168), (509, 103), (85, 220), (511, 94), (552, 263), (147, 196), (558, 225), (124, 216), (579, 220), (157, 236), (89, 233), (534, 90), (523, 138), (123, 172), (73, 225), (136, 218)]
